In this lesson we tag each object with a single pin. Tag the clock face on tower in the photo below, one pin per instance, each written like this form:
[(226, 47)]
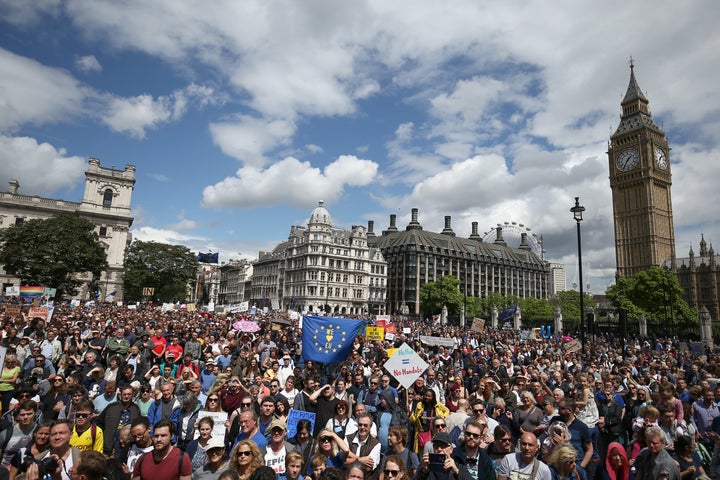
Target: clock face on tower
[(660, 158), (628, 159)]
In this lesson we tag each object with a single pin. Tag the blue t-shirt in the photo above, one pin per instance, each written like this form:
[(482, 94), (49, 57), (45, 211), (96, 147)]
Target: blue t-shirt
[(580, 438)]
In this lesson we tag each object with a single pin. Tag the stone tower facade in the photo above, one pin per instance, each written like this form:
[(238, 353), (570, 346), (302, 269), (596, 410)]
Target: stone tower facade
[(640, 179)]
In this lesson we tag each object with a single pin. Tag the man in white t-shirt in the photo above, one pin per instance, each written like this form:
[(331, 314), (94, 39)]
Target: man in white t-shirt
[(524, 465), (274, 452)]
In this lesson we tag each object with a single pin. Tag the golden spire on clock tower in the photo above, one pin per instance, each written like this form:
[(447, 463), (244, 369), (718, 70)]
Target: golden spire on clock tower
[(640, 180)]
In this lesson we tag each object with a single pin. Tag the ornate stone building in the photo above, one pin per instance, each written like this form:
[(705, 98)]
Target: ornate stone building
[(106, 203), (319, 267), (640, 179), (699, 277), (415, 257), (234, 277)]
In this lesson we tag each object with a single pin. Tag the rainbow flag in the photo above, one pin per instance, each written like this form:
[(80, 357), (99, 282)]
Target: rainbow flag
[(31, 292)]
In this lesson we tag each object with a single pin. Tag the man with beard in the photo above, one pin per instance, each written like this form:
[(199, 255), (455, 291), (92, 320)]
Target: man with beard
[(302, 400), (166, 462), (477, 461)]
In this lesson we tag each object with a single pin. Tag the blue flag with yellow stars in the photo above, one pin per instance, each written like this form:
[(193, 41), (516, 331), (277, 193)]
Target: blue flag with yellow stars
[(328, 339)]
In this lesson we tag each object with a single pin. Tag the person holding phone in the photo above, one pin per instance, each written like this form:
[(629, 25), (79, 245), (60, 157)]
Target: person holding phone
[(441, 465)]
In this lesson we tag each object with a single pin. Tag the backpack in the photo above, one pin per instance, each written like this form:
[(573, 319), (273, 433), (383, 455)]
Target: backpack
[(399, 417)]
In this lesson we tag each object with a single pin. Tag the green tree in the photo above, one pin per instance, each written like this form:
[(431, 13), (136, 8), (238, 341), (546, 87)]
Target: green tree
[(53, 252), (535, 309), (166, 268), (655, 293), (569, 303), (433, 295)]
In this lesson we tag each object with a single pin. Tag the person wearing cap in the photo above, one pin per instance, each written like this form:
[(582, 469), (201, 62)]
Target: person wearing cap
[(208, 375), (273, 454), (450, 469), (216, 461), (286, 369)]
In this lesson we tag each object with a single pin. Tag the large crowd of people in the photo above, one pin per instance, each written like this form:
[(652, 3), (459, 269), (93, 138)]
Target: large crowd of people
[(162, 394)]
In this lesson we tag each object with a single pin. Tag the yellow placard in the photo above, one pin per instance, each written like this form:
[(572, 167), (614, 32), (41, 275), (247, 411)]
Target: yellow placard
[(375, 333)]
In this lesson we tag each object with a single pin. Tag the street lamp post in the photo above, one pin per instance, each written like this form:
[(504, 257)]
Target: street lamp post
[(577, 212)]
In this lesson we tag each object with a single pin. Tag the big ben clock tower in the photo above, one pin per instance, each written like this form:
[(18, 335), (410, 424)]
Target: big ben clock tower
[(640, 179)]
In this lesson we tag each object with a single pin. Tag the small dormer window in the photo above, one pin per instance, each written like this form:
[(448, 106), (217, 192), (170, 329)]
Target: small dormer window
[(103, 231), (107, 197)]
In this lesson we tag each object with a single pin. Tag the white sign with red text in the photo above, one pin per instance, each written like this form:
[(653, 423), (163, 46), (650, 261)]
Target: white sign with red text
[(405, 365)]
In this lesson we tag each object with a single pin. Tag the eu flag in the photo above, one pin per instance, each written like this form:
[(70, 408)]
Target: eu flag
[(328, 339), (508, 314)]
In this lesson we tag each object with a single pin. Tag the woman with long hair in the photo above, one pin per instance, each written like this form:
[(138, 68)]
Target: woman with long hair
[(8, 377), (303, 441), (251, 371), (197, 448), (394, 469), (426, 410), (563, 464), (282, 408), (39, 443), (112, 370), (245, 459), (56, 397), (212, 404)]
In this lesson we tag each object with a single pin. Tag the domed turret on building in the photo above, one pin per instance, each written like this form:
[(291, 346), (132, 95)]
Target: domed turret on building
[(322, 268), (320, 215)]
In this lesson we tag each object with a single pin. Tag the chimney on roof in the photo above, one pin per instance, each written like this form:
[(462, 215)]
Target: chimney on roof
[(499, 237), (414, 224), (523, 242), (448, 229), (475, 235), (393, 227)]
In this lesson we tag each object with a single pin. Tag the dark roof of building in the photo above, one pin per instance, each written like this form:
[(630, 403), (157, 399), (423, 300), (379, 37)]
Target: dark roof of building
[(456, 246)]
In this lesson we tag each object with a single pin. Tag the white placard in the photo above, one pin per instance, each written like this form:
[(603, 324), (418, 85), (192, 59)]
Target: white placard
[(219, 425), (405, 365)]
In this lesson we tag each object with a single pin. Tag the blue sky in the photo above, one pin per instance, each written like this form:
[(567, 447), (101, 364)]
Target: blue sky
[(241, 116)]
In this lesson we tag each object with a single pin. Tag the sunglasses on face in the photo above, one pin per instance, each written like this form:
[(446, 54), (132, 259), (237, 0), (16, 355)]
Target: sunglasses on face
[(473, 435), (391, 473), (82, 415), (244, 453)]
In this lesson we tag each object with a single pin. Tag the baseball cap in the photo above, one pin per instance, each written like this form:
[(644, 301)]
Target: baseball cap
[(442, 437), (214, 442), (277, 423)]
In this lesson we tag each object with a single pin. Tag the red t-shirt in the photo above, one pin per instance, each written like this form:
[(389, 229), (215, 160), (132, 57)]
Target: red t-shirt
[(146, 468), (160, 343), (176, 350)]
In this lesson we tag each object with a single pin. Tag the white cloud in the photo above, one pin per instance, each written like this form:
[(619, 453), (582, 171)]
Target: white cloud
[(41, 168), (135, 115), (88, 64), (290, 181), (248, 138), (36, 94)]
